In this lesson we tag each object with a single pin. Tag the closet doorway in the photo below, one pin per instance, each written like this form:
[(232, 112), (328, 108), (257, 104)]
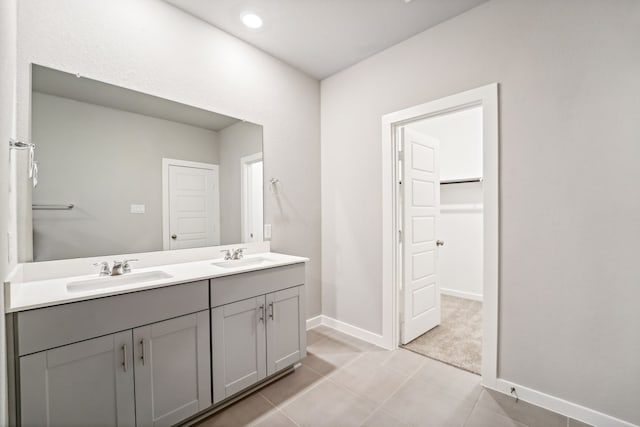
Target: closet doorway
[(440, 217), (440, 220)]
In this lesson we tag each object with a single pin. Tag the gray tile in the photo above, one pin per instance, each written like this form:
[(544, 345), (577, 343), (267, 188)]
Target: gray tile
[(328, 404), (291, 386), (326, 355), (404, 361), (243, 413), (382, 418), (520, 411), (314, 336), (481, 417), (323, 330), (449, 379), (576, 423), (275, 419), (369, 379), (422, 403)]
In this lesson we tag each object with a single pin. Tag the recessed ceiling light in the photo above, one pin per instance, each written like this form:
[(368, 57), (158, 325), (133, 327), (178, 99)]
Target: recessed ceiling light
[(252, 20)]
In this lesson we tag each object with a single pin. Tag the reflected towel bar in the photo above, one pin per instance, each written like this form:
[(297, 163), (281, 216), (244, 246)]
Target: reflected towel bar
[(460, 181), (52, 207)]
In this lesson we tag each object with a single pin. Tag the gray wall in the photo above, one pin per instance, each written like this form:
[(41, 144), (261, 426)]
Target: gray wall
[(569, 88), (235, 141), (7, 109), (103, 160), (178, 57)]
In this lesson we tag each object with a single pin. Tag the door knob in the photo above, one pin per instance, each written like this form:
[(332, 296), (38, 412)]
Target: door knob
[(440, 242), (174, 237)]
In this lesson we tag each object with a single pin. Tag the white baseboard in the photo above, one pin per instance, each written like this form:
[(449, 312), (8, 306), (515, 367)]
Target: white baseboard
[(346, 328), (552, 403), (561, 406), (314, 321), (461, 294)]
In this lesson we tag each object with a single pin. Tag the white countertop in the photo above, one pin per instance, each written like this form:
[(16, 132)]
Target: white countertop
[(28, 295)]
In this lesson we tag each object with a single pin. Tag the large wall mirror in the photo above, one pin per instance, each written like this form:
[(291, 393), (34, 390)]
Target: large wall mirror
[(119, 171)]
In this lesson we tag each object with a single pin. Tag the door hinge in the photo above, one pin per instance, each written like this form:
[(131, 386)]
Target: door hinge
[(400, 165), (399, 236)]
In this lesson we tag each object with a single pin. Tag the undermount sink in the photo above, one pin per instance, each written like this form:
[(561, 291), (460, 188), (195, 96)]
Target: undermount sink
[(113, 281), (244, 262)]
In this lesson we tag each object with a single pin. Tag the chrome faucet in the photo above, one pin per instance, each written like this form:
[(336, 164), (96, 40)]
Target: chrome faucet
[(238, 253), (104, 268), (116, 270), (119, 267)]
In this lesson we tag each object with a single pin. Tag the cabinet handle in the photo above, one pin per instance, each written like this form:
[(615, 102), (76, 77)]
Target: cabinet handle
[(124, 358), (261, 308), (142, 352), (271, 310)]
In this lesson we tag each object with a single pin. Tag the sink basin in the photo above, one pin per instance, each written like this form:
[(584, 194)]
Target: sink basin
[(244, 262), (113, 281)]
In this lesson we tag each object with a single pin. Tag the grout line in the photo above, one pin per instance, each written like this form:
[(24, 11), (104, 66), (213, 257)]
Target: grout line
[(261, 417), (420, 366), (287, 417), (475, 405), (402, 384), (296, 396), (405, 347)]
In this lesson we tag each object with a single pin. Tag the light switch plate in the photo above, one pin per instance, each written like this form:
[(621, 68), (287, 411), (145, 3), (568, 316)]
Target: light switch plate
[(267, 231), (137, 209)]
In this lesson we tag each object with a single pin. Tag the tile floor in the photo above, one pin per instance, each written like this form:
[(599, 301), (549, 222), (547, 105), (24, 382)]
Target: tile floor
[(346, 382)]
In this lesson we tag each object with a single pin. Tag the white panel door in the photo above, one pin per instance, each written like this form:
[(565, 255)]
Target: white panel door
[(194, 206), (251, 205), (85, 384), (255, 198), (172, 369), (421, 211)]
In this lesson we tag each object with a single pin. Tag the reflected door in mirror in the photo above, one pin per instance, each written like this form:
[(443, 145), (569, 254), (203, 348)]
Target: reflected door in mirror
[(252, 212), (194, 205)]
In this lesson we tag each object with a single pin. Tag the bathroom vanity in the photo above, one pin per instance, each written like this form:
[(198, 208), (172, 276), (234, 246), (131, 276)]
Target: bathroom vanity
[(170, 332), (156, 351)]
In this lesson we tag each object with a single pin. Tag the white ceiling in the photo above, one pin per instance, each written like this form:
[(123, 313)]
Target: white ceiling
[(59, 83), (322, 37)]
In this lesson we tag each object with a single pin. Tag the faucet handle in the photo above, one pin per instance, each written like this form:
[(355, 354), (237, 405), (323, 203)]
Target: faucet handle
[(126, 265), (238, 253), (227, 254), (104, 268)]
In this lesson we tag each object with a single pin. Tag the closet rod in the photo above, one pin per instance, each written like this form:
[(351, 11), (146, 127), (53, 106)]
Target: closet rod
[(66, 207), (460, 181)]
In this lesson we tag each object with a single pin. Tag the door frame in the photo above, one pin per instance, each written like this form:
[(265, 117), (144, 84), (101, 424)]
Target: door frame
[(166, 163), (487, 97), (245, 161)]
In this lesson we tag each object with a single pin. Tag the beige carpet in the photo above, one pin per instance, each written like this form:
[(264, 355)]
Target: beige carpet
[(458, 339)]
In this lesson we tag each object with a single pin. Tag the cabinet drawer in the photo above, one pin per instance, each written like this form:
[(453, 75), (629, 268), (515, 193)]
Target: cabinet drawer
[(50, 327), (228, 289)]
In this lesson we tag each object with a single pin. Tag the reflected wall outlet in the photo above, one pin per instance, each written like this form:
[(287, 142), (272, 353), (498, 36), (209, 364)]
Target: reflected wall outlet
[(137, 209), (267, 231)]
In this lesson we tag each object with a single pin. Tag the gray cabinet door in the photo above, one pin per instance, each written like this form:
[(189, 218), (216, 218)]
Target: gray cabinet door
[(284, 342), (238, 341), (172, 369), (89, 383)]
